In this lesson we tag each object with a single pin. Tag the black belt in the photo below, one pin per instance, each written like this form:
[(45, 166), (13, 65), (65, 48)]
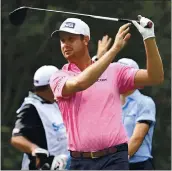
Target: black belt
[(101, 153)]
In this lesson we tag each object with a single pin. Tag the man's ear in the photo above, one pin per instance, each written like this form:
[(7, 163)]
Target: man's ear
[(86, 40)]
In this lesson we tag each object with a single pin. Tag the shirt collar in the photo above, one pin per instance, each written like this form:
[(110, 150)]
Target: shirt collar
[(72, 67), (131, 97), (134, 95)]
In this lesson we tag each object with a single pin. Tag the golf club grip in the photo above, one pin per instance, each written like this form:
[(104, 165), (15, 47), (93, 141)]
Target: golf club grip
[(149, 24)]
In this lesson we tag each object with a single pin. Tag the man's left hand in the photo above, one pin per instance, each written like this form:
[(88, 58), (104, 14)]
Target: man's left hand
[(145, 32)]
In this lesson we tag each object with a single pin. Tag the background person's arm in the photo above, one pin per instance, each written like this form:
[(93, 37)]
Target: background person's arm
[(145, 119), (137, 138), (26, 146), (103, 47), (25, 126), (23, 144)]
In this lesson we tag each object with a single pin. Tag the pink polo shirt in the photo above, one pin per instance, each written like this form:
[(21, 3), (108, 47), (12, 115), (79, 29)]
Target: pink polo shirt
[(93, 117)]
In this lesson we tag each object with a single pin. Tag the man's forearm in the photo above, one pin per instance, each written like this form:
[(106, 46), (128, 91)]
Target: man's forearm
[(23, 144), (154, 62), (90, 75), (133, 145)]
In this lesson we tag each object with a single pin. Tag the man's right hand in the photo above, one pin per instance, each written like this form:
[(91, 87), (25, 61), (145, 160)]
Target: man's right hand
[(41, 156), (122, 37), (38, 151)]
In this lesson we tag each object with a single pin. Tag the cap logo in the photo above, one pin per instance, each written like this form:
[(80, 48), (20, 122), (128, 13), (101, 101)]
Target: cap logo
[(69, 25), (36, 81)]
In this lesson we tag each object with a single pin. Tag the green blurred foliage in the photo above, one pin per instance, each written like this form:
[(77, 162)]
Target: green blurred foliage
[(29, 46)]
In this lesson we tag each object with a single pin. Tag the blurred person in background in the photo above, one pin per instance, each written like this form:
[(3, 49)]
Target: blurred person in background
[(138, 117), (39, 131), (97, 137)]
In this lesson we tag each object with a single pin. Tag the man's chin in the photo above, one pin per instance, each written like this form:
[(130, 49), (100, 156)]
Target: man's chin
[(68, 57)]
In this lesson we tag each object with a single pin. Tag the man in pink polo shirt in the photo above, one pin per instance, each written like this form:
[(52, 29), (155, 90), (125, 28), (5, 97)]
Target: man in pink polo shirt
[(88, 94)]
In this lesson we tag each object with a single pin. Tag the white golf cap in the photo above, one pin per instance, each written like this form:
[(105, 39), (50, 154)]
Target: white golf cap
[(128, 62), (43, 74), (74, 26)]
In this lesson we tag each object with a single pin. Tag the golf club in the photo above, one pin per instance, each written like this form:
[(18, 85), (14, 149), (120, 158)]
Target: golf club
[(18, 16)]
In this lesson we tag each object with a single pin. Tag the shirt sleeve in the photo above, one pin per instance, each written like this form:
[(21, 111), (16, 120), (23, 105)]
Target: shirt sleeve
[(26, 121), (125, 78), (147, 110), (57, 82)]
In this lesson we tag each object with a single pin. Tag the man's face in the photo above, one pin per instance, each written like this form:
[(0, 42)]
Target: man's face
[(50, 94), (72, 45)]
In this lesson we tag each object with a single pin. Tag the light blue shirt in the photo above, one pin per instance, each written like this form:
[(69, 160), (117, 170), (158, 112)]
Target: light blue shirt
[(136, 108)]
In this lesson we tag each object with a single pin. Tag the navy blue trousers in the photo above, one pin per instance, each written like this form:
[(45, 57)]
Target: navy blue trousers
[(145, 165), (116, 161)]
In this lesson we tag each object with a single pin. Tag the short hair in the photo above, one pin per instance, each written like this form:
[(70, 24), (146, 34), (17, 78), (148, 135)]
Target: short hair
[(41, 88), (82, 36)]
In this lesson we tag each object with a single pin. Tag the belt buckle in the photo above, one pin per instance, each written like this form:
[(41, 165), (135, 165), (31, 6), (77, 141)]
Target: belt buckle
[(92, 156)]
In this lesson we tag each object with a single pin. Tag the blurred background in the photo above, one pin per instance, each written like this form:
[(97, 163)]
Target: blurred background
[(29, 46)]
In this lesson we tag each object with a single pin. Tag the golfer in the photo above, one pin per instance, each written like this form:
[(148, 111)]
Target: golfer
[(88, 94)]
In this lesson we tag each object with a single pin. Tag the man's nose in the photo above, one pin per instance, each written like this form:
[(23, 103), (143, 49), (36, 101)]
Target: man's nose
[(66, 44)]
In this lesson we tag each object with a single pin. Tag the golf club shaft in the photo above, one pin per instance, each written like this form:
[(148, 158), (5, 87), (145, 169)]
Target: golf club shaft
[(73, 13), (18, 16)]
